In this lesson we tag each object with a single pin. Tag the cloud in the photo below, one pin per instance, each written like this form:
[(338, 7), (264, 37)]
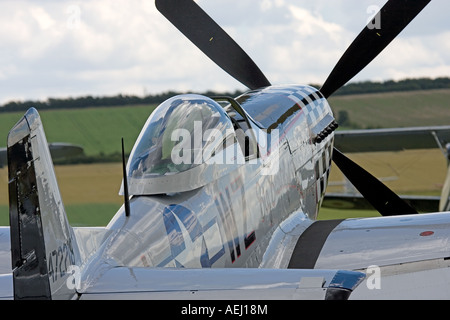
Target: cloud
[(71, 48)]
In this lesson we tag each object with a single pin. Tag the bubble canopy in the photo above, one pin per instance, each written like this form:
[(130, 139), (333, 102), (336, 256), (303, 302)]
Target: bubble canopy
[(177, 140)]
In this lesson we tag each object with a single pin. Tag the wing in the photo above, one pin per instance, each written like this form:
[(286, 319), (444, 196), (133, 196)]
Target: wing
[(62, 150), (58, 150), (395, 139), (222, 284), (404, 257)]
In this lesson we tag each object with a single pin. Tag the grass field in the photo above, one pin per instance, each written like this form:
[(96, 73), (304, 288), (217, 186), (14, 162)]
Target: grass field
[(90, 192), (99, 130), (396, 109)]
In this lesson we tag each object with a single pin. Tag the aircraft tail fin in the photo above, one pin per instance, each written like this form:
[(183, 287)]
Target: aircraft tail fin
[(43, 246)]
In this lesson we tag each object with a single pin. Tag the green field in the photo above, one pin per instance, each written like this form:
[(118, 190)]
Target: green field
[(99, 130), (396, 109), (90, 192)]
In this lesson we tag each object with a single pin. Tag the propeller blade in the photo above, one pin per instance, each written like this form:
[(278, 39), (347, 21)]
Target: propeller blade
[(395, 16), (383, 199), (210, 38)]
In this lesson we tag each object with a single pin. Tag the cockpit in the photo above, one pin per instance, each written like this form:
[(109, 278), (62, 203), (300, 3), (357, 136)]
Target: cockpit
[(181, 146)]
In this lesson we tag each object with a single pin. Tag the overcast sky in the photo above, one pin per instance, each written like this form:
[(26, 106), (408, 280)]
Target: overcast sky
[(56, 48)]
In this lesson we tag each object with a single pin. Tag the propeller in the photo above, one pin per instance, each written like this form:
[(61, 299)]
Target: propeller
[(383, 199), (212, 40), (395, 16)]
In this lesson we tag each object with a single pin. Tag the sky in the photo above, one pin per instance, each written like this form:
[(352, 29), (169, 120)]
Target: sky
[(59, 48)]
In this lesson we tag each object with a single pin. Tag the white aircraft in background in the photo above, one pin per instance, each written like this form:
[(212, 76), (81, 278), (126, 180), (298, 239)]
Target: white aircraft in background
[(393, 139), (58, 151), (221, 198)]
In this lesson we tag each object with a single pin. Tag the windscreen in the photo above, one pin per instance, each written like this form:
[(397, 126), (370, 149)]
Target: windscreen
[(176, 136)]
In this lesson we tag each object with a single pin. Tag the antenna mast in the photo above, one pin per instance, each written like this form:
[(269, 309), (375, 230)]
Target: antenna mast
[(125, 183)]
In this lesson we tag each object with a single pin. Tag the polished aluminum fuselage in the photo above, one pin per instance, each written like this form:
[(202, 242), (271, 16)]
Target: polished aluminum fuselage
[(230, 221)]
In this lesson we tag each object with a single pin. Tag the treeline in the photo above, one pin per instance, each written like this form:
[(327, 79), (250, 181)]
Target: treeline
[(92, 102), (120, 100), (394, 86)]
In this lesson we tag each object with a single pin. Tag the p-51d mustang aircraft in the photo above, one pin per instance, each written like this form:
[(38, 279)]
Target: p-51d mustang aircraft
[(221, 198)]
